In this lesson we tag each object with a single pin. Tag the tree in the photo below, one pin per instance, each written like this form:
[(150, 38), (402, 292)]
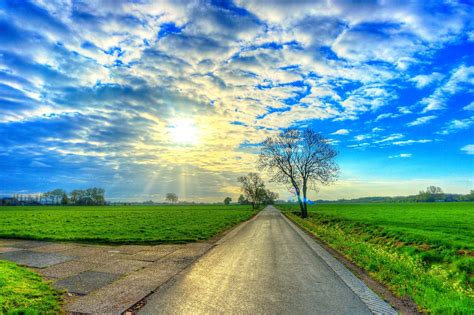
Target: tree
[(55, 196), (76, 195), (253, 188), (90, 196), (96, 195), (64, 199), (227, 201), (172, 197), (470, 196), (270, 197), (431, 194), (299, 159), (242, 200)]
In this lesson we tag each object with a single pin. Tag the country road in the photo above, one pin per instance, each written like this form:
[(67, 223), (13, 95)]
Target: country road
[(265, 266)]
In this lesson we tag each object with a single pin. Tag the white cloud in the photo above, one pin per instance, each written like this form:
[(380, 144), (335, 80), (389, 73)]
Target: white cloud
[(390, 138), (359, 145), (410, 142), (421, 120), (461, 78), (424, 80), (456, 125), (404, 110), (469, 107), (363, 137), (468, 149), (341, 132), (401, 155), (387, 115)]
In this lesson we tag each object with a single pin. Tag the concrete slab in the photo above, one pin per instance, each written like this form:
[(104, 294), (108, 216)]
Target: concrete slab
[(34, 259), (124, 293), (130, 249), (100, 257), (67, 269), (9, 249), (122, 266), (153, 255), (54, 247), (7, 242), (26, 244), (86, 282), (82, 251), (187, 254)]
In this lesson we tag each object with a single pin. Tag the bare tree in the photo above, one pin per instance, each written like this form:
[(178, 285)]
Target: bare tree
[(299, 159), (431, 194), (172, 197), (270, 197), (253, 188)]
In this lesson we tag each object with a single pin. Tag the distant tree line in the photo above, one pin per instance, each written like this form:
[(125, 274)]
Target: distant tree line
[(431, 194), (90, 196)]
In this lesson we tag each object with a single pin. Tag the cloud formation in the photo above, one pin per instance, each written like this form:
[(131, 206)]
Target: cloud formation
[(89, 90), (401, 155), (468, 149)]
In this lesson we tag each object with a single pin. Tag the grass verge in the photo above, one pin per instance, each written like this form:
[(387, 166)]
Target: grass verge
[(436, 275), (24, 292)]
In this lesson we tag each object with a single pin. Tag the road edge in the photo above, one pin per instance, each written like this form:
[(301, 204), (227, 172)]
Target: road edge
[(373, 302)]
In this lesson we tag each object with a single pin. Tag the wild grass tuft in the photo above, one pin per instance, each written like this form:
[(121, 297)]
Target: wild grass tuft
[(24, 292)]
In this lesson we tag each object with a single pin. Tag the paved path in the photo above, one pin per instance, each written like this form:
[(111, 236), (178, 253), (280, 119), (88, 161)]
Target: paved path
[(266, 266), (102, 279)]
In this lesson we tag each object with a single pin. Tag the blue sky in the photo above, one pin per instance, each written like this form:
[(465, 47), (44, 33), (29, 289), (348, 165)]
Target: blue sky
[(147, 97)]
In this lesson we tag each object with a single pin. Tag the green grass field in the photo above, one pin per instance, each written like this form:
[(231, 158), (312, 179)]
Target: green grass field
[(421, 250), (24, 292), (120, 224)]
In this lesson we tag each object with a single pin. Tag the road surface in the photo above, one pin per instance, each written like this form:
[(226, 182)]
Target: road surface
[(263, 267)]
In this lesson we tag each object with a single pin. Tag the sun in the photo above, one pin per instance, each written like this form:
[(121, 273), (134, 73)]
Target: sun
[(184, 131)]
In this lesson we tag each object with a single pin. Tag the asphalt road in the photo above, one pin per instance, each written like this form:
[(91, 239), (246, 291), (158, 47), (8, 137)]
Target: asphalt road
[(264, 267)]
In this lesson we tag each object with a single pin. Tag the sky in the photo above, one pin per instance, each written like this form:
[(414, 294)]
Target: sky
[(148, 97)]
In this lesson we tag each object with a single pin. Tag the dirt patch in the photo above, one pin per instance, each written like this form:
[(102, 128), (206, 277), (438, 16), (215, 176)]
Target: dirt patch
[(424, 247), (399, 244), (466, 252)]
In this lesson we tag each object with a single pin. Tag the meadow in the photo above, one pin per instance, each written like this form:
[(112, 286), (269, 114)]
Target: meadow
[(421, 250), (120, 224)]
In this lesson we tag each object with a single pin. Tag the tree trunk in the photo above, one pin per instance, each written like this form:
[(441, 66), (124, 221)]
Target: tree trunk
[(304, 212)]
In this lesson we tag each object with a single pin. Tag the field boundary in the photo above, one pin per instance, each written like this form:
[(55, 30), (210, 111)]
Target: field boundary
[(356, 276)]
